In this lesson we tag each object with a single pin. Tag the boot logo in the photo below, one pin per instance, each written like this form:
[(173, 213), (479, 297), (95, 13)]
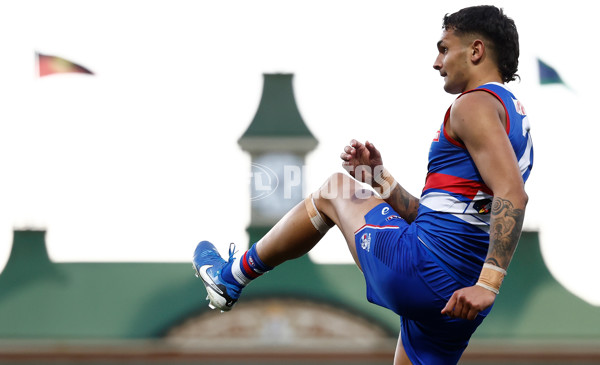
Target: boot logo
[(208, 280)]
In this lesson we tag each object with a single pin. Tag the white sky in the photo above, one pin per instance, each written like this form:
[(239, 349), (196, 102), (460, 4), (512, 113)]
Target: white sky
[(141, 161)]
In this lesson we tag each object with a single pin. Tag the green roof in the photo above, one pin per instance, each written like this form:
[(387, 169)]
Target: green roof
[(41, 299), (277, 115)]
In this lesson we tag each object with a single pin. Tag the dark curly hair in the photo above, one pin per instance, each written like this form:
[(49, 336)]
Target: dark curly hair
[(493, 25)]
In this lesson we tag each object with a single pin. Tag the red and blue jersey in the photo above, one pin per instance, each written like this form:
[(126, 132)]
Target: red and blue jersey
[(453, 220)]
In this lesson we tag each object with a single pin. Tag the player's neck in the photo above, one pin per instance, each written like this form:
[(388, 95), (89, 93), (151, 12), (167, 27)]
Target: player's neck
[(483, 79)]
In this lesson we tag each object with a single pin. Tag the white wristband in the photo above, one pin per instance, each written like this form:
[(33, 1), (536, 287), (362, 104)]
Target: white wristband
[(493, 290), (494, 267)]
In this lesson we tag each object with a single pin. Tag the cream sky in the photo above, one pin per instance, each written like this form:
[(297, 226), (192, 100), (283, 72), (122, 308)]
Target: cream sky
[(140, 162)]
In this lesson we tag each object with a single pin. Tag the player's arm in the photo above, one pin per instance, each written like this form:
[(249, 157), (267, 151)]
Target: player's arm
[(364, 163), (477, 121)]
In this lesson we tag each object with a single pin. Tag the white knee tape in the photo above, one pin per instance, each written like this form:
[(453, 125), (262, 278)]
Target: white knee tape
[(315, 217)]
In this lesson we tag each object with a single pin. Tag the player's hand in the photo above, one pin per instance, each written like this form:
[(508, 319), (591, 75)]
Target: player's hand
[(467, 302), (357, 155)]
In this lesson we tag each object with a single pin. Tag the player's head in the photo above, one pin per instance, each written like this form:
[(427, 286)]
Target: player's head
[(498, 32)]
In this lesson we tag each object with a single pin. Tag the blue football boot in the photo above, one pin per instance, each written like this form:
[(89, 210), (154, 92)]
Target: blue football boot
[(209, 265)]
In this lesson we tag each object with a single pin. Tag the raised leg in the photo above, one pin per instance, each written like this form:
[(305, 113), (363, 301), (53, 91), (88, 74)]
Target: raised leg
[(341, 201)]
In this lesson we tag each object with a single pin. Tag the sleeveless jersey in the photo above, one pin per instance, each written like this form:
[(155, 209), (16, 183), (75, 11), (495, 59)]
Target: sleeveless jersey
[(453, 219)]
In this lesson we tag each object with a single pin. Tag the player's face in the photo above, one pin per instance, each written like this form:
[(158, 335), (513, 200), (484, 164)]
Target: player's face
[(452, 62)]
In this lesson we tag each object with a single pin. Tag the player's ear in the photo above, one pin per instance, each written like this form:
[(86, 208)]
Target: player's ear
[(477, 51)]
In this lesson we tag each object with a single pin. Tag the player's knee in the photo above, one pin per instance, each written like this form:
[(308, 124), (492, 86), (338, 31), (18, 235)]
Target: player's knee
[(336, 186), (342, 186), (319, 201)]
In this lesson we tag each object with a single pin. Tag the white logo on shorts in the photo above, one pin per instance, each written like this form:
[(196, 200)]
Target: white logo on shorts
[(385, 210), (365, 241)]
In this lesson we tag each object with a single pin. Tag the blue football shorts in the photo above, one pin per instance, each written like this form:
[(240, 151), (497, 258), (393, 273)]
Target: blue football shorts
[(402, 276)]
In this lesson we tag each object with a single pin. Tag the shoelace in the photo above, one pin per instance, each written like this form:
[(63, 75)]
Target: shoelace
[(232, 251)]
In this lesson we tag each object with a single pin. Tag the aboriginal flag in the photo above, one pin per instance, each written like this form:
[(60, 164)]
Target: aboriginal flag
[(548, 75), (49, 65)]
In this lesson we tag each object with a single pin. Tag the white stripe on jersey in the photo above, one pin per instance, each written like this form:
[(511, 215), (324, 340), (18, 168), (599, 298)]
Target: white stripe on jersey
[(438, 201), (525, 160), (465, 211), (444, 202)]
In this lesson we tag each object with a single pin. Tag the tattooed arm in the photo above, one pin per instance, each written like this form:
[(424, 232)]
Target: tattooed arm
[(402, 201), (364, 163), (506, 224), (478, 121)]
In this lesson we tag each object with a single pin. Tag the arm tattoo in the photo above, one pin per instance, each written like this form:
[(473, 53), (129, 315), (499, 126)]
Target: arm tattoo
[(505, 230), (404, 203), (409, 204), (492, 261)]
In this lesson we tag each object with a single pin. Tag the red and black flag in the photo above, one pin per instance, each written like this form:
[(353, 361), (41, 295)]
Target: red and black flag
[(49, 65)]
